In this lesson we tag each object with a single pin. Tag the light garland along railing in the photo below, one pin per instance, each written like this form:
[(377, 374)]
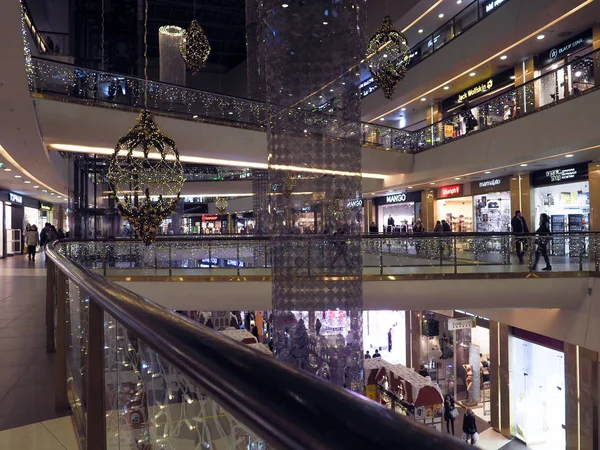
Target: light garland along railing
[(383, 254), (139, 376), (557, 86)]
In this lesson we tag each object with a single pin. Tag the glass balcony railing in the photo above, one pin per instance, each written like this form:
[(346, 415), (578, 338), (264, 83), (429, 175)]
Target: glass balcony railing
[(99, 88), (467, 254), (138, 376)]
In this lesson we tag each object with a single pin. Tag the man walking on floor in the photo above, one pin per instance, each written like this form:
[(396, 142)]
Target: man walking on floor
[(519, 226)]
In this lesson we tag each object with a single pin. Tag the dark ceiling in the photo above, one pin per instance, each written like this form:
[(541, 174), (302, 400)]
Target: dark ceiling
[(223, 21)]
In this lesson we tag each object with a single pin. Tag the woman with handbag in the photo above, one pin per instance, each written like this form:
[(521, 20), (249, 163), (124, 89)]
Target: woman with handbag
[(450, 413), (470, 428), (542, 242)]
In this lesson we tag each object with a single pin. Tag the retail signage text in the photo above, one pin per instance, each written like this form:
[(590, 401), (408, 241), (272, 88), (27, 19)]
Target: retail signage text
[(45, 206), (496, 82), (401, 197), (491, 5), (461, 324), (566, 47), (451, 191), (15, 198), (500, 184), (476, 90), (564, 174), (396, 198), (207, 218), (355, 203)]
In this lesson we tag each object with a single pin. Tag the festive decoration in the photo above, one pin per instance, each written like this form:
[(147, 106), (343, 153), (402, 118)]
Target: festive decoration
[(172, 67), (221, 205), (389, 55), (194, 47), (146, 176)]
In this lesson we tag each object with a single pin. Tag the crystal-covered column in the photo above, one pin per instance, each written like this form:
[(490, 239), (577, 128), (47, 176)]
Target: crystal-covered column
[(311, 49)]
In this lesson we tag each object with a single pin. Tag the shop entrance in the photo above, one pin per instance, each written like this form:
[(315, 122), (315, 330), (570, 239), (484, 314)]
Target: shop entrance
[(458, 212), (377, 326), (537, 391)]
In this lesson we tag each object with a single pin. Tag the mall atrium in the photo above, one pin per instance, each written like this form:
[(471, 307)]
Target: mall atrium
[(299, 224)]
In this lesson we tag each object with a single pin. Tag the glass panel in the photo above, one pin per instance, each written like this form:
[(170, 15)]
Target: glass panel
[(465, 18), (151, 404)]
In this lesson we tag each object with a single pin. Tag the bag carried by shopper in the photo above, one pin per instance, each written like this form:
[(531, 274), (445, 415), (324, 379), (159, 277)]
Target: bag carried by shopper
[(454, 413), (475, 438)]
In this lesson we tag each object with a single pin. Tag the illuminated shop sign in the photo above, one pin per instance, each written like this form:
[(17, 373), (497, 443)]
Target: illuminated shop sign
[(45, 206), (488, 6), (461, 324), (496, 82), (476, 90), (500, 184), (565, 174), (564, 48), (368, 86), (451, 191), (355, 203), (15, 198), (396, 198), (209, 218), (401, 197)]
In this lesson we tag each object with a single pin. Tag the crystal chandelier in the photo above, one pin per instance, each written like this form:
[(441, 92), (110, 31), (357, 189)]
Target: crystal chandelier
[(194, 47), (388, 54), (221, 205)]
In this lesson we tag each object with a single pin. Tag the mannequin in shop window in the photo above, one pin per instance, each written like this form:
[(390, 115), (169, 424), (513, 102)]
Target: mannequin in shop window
[(469, 378), (391, 224)]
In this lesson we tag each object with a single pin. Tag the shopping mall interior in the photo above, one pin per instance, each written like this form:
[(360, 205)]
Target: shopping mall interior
[(299, 224)]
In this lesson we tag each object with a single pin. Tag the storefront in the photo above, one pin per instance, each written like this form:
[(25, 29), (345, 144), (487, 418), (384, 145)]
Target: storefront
[(382, 327), (357, 209), (397, 213), (46, 214), (456, 209), (244, 223), (191, 219), (306, 219), (537, 390), (214, 224), (491, 199), (564, 194)]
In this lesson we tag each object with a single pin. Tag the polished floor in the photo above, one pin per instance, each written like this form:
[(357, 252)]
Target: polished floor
[(26, 370), (55, 434)]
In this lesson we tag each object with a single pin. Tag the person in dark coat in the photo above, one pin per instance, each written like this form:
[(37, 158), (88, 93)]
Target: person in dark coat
[(542, 242), (255, 333), (469, 426), (519, 226), (373, 228), (446, 227), (448, 417), (377, 354), (318, 326)]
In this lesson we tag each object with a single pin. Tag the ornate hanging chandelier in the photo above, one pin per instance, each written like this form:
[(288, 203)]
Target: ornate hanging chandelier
[(194, 47), (146, 176), (388, 56), (221, 205)]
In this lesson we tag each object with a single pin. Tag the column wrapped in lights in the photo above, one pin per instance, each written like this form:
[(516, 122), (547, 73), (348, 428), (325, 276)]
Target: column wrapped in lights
[(172, 65), (317, 278)]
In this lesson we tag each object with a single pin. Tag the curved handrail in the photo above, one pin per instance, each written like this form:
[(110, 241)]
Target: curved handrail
[(297, 410)]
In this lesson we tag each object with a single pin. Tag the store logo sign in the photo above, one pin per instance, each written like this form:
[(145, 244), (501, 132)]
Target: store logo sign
[(396, 198), (490, 183), (355, 203), (461, 324), (450, 191), (480, 89), (209, 217), (558, 175), (490, 6), (557, 52), (15, 198)]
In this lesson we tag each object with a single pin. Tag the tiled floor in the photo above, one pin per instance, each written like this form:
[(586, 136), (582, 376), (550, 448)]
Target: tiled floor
[(26, 370), (55, 434)]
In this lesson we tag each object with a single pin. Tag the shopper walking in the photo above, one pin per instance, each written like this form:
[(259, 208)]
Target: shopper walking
[(418, 229), (519, 226), (438, 227), (52, 234), (450, 413), (390, 340), (32, 239), (367, 355), (318, 326), (376, 354), (470, 428), (542, 241), (44, 234)]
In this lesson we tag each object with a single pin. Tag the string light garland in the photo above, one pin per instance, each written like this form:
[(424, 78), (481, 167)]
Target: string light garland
[(391, 55), (194, 47), (146, 189)]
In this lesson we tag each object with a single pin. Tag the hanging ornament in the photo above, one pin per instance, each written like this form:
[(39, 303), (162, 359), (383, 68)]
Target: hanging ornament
[(194, 47), (221, 205), (146, 176), (389, 55), (288, 183)]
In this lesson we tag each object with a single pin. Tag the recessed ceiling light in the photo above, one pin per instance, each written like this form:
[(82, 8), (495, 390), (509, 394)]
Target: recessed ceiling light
[(58, 196), (568, 156), (36, 187), (330, 90), (385, 55), (7, 170), (26, 181), (383, 118), (503, 57), (325, 23), (578, 73), (487, 172), (420, 30), (458, 2), (523, 165), (540, 37), (457, 178), (446, 88), (432, 182), (45, 190), (18, 176), (284, 5), (403, 109), (472, 74), (441, 16), (423, 99), (230, 113), (410, 187), (512, 77), (51, 193), (195, 116)]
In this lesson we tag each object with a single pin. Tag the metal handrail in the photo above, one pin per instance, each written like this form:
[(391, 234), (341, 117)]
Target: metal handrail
[(297, 410)]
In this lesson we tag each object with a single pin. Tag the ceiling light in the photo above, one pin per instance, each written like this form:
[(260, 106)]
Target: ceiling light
[(512, 77), (18, 176), (36, 187), (410, 187), (472, 74), (423, 99), (487, 172), (45, 190), (458, 2), (540, 37), (58, 196), (330, 90), (7, 170), (26, 181), (383, 118), (578, 73), (195, 116), (403, 109), (432, 182), (457, 178), (324, 23), (523, 165), (568, 156), (441, 16), (503, 57), (51, 193), (230, 113), (284, 5), (420, 30), (446, 88)]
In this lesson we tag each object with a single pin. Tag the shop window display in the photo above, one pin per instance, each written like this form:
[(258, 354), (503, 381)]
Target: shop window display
[(458, 212), (437, 350), (492, 212), (378, 328)]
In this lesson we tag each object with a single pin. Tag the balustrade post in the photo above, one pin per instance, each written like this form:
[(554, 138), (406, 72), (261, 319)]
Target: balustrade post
[(60, 383), (50, 302), (96, 412), (308, 256), (596, 262), (380, 256), (454, 249), (209, 255), (170, 259), (237, 245), (266, 257)]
